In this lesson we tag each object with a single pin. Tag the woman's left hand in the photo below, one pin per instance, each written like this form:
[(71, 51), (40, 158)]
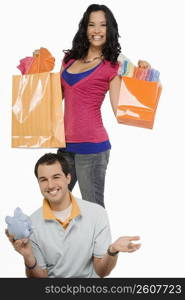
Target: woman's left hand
[(144, 64)]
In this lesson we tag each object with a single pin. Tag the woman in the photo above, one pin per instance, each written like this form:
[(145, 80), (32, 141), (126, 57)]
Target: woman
[(88, 71)]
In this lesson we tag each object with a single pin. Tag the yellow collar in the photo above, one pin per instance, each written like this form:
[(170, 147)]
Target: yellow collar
[(48, 214)]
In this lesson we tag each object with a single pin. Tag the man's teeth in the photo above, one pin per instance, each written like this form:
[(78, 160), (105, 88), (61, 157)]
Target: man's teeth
[(53, 192)]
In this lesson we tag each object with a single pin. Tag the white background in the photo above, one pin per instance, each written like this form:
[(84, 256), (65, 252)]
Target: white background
[(144, 192)]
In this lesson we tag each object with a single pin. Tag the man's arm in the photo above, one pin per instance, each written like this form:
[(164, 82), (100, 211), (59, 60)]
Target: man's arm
[(32, 269), (24, 247), (103, 266)]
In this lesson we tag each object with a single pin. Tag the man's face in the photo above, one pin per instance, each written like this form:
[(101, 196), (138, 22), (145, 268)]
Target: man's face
[(53, 182)]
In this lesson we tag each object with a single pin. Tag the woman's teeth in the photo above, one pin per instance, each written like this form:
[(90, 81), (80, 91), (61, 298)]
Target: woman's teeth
[(96, 37)]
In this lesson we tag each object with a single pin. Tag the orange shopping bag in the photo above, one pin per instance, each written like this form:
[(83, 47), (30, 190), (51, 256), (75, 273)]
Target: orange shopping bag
[(37, 114), (138, 102)]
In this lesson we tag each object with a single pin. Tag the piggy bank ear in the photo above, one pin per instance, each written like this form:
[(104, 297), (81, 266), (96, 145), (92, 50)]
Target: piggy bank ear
[(8, 220), (17, 212)]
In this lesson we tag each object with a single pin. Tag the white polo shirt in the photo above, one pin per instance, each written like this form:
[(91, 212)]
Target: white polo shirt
[(68, 250)]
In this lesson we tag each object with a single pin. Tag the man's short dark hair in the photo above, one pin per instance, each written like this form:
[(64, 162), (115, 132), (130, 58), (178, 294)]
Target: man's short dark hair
[(50, 159)]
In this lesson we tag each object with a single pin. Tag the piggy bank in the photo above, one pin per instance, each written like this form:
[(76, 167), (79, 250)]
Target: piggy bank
[(19, 225)]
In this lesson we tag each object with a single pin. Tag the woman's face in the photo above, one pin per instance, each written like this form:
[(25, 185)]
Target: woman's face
[(96, 29)]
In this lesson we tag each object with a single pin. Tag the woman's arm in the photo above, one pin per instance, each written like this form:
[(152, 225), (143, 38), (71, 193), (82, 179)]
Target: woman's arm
[(114, 89), (61, 69)]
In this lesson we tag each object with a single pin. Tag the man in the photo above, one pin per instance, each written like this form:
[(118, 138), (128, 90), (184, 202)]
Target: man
[(71, 237)]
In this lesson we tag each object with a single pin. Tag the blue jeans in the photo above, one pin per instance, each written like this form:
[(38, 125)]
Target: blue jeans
[(89, 170)]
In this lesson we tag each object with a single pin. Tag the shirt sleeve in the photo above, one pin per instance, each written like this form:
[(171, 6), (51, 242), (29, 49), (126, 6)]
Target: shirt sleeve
[(112, 71), (37, 253), (102, 238)]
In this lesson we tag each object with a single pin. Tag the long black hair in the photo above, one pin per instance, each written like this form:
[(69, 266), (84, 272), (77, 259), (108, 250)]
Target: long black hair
[(80, 45)]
